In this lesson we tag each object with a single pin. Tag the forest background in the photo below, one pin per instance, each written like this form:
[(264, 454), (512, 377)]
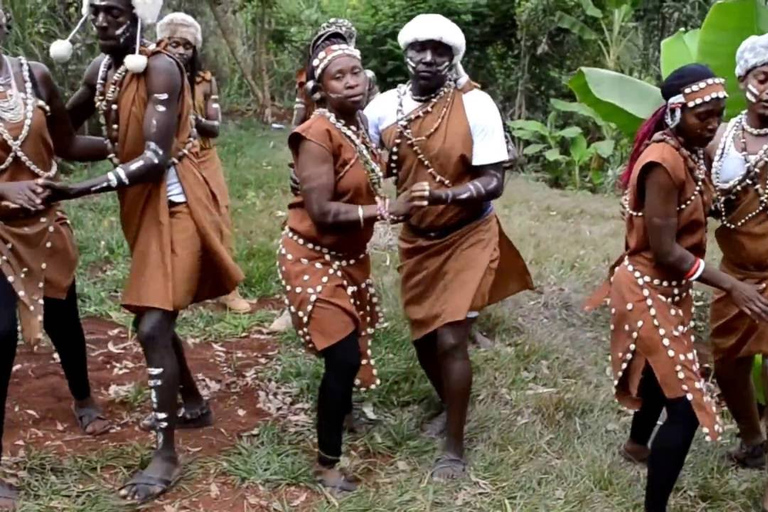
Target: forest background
[(523, 52)]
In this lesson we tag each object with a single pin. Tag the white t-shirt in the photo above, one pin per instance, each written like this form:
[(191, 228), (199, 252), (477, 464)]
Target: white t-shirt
[(489, 144), (174, 190)]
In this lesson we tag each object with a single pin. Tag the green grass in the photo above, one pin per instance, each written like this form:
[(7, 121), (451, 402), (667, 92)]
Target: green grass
[(543, 431)]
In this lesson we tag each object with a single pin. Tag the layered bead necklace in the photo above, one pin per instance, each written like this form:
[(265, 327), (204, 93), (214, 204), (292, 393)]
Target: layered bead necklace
[(696, 165), (404, 131), (362, 145), (751, 176), (15, 107), (107, 101)]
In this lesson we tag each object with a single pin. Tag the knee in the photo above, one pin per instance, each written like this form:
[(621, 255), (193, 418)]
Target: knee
[(344, 358), (153, 331), (449, 344), (681, 411), (9, 327)]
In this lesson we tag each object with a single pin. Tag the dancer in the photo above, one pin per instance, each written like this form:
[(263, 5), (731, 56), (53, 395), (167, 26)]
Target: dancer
[(654, 361), (739, 177), (446, 144), (185, 40), (322, 258), (169, 214), (38, 255)]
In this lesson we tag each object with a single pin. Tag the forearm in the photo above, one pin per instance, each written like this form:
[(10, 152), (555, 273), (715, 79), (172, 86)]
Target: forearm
[(86, 149), (683, 262), (337, 215), (480, 190), (149, 167)]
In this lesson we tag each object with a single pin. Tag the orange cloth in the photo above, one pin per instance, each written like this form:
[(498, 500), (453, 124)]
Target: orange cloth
[(326, 272), (37, 250), (651, 307), (745, 257), (146, 221), (447, 276)]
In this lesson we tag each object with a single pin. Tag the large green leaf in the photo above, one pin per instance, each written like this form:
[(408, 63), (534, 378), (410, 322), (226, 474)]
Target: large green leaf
[(679, 50), (590, 9), (578, 27), (727, 25), (577, 108), (618, 99)]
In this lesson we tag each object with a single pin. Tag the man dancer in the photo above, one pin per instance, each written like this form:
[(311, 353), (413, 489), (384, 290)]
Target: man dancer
[(168, 212), (446, 143)]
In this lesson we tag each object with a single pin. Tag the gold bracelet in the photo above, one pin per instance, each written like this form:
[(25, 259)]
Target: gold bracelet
[(360, 214)]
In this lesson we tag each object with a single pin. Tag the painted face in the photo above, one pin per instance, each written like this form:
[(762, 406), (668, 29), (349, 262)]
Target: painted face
[(115, 24), (698, 125), (429, 63), (345, 85), (755, 87), (182, 49)]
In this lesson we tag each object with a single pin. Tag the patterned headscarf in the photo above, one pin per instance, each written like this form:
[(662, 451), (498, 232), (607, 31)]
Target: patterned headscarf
[(752, 54)]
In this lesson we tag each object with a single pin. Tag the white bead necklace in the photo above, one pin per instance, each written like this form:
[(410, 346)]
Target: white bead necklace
[(361, 145), (28, 114), (757, 132), (699, 174)]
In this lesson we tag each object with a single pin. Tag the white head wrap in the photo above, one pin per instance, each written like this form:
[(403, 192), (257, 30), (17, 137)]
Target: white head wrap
[(752, 54), (181, 25), (147, 10), (435, 27)]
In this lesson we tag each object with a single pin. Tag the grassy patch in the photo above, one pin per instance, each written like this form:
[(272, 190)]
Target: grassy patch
[(543, 431)]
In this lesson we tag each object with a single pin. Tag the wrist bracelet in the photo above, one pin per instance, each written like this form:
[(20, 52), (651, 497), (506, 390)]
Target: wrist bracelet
[(699, 271)]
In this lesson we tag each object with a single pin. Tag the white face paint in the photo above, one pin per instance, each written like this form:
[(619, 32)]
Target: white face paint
[(123, 32), (752, 93)]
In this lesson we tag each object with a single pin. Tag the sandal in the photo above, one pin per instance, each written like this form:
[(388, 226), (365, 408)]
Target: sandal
[(186, 420), (87, 416), (164, 485), (449, 467), (336, 484), (634, 453)]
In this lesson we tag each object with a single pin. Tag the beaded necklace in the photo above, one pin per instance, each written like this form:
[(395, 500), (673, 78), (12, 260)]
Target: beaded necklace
[(405, 132), (751, 176), (362, 145), (28, 114), (106, 102), (696, 165)]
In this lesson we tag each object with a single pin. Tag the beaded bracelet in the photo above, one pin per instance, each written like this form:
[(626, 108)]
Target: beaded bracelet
[(696, 270)]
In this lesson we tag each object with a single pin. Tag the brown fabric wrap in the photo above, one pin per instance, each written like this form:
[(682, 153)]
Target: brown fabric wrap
[(658, 333), (473, 266), (745, 257), (145, 218), (346, 299), (37, 250)]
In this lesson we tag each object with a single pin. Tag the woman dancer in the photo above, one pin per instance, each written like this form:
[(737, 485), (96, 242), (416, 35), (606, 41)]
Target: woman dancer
[(184, 38), (654, 361), (739, 177), (38, 256), (322, 259)]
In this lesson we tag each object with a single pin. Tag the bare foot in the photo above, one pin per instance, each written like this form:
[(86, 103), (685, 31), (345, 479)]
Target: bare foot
[(437, 426), (449, 467), (90, 418), (634, 452), (161, 474), (8, 496), (334, 480)]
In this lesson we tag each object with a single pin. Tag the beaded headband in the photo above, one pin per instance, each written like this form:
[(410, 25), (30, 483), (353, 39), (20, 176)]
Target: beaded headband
[(700, 93), (332, 53)]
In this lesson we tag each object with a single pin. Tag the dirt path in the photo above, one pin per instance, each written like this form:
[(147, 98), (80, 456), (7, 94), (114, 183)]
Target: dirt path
[(40, 416)]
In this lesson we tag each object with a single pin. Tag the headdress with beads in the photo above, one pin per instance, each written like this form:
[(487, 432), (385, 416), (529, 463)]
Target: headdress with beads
[(692, 96), (146, 10), (181, 25), (334, 26)]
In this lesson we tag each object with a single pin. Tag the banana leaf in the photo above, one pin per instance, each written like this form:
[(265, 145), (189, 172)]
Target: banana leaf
[(679, 50), (618, 99)]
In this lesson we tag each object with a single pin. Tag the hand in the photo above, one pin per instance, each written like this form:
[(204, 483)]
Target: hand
[(59, 191), (422, 194), (749, 299), (24, 194), (405, 206), (295, 184)]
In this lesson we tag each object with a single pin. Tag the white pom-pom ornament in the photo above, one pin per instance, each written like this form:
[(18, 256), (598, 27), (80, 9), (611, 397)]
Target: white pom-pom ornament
[(136, 63), (61, 51)]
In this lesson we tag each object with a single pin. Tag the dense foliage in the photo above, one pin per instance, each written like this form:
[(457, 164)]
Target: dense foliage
[(522, 51)]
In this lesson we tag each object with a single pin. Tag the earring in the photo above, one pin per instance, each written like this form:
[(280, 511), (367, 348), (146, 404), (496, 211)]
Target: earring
[(312, 89), (672, 117)]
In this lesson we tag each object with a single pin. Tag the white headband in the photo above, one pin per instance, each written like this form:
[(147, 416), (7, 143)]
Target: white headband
[(147, 10), (323, 60), (434, 27), (752, 54)]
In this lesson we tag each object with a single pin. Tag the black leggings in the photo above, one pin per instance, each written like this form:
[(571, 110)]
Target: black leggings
[(342, 362), (62, 323), (672, 442)]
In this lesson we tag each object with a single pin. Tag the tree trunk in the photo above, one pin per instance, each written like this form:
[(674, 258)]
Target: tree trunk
[(220, 10)]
